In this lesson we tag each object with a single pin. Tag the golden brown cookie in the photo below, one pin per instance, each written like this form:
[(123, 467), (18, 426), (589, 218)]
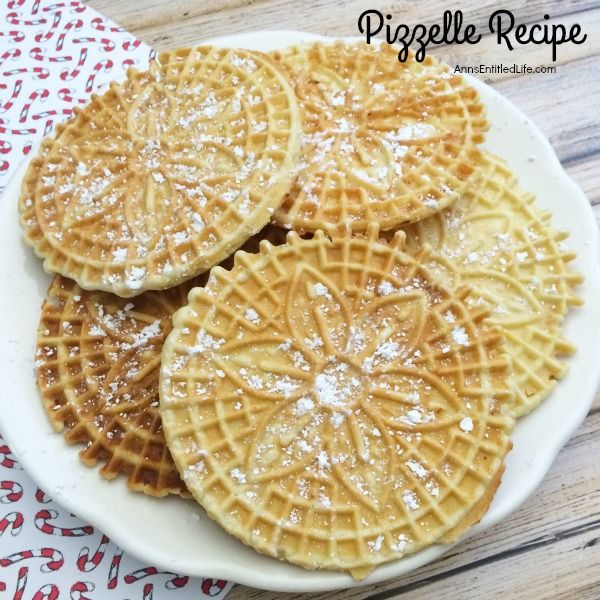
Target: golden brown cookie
[(98, 358), (498, 242), (163, 175), (330, 404), (382, 141)]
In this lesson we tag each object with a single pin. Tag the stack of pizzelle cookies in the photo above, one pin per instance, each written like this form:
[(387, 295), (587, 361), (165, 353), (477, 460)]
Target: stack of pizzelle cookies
[(340, 395)]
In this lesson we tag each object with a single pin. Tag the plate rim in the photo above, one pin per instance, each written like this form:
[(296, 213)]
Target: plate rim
[(333, 580)]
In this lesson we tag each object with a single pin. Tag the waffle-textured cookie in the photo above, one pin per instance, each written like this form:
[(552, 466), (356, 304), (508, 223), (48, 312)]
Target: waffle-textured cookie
[(497, 241), (97, 362), (166, 174), (330, 404), (382, 140)]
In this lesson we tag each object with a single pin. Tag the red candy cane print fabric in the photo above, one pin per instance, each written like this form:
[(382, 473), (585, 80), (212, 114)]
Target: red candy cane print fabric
[(53, 55), (46, 553)]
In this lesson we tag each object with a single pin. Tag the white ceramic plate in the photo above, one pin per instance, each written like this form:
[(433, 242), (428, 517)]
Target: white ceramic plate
[(165, 532)]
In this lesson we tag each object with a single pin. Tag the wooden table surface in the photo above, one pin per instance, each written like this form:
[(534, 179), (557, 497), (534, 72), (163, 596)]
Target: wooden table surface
[(547, 549)]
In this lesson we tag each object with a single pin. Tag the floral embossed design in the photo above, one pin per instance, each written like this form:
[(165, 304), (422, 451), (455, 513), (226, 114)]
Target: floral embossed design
[(498, 242), (351, 388), (319, 377), (164, 174), (97, 364), (374, 134)]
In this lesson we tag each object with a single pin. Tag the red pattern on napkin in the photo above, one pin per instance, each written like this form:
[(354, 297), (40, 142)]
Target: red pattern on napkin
[(53, 55), (46, 553)]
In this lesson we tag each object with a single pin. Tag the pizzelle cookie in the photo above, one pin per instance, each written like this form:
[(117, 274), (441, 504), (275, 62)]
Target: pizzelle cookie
[(497, 241), (330, 404), (166, 174), (382, 140), (97, 362)]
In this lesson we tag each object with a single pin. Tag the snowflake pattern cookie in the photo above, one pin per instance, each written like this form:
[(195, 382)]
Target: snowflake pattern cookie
[(164, 175), (497, 241), (382, 141), (330, 404)]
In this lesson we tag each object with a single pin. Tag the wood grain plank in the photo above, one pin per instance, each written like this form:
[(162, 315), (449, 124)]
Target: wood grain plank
[(159, 12), (573, 560), (568, 117), (587, 174), (566, 504)]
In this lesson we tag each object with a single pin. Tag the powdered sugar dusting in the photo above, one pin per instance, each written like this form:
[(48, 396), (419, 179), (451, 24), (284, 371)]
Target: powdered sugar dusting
[(466, 424)]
